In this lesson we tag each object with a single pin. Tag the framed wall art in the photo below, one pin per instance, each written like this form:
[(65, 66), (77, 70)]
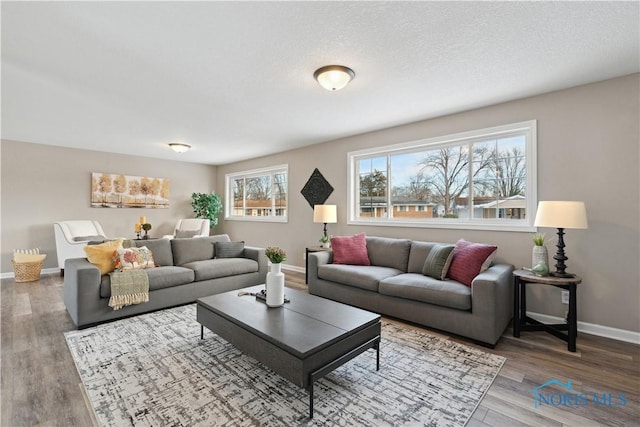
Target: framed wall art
[(124, 191)]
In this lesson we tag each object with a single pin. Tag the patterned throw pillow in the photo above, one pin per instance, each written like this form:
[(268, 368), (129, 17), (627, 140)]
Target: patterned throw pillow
[(102, 255), (133, 259), (437, 263), (469, 260), (350, 250)]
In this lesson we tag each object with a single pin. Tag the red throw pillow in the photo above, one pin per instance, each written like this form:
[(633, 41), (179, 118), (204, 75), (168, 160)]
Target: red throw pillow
[(350, 250), (469, 260)]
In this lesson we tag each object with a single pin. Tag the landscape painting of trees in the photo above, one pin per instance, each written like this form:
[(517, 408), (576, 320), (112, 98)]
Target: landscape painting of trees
[(122, 191)]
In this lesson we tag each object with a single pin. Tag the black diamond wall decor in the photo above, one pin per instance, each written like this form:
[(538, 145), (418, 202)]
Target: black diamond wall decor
[(317, 189)]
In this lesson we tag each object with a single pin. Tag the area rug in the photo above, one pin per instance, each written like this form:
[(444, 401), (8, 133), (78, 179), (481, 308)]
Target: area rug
[(154, 370)]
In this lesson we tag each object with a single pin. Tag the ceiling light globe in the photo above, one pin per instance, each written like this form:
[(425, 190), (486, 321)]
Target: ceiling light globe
[(179, 147), (334, 77)]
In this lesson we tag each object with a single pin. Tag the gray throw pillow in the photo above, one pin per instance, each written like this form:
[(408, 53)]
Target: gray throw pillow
[(185, 234), (229, 249), (438, 261)]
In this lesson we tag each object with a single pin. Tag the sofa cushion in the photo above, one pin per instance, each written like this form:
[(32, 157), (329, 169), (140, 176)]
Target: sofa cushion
[(160, 248), (437, 263), (102, 255), (229, 249), (350, 250), (159, 278), (413, 286), (389, 252), (195, 249), (358, 276), (469, 260), (221, 267)]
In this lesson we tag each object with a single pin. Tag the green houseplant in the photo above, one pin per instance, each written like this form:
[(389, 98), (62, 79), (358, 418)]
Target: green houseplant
[(539, 254), (275, 254), (538, 239), (324, 241), (207, 206)]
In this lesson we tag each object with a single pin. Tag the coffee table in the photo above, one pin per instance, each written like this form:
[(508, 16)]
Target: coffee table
[(302, 341)]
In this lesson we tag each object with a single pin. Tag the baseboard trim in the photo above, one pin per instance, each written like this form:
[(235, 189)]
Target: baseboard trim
[(293, 268), (10, 275), (592, 328)]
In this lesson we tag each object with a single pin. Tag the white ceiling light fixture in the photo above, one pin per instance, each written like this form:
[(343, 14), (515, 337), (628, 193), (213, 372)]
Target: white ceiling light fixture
[(179, 147), (334, 77)]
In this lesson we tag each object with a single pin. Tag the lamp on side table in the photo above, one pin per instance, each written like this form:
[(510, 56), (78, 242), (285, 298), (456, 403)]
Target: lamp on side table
[(561, 215)]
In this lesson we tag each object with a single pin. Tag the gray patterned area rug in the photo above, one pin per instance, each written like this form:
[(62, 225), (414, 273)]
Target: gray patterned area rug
[(153, 370)]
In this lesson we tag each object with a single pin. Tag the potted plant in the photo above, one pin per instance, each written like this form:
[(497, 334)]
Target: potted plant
[(325, 241), (275, 277), (539, 253), (146, 227), (207, 206), (275, 254)]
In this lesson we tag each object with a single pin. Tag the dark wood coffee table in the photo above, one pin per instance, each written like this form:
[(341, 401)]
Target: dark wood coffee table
[(303, 340)]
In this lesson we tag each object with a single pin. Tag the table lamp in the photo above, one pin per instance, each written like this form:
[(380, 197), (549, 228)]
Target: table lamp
[(561, 215), (325, 214)]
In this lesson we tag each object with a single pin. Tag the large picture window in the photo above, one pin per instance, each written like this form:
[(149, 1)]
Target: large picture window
[(484, 179), (257, 195)]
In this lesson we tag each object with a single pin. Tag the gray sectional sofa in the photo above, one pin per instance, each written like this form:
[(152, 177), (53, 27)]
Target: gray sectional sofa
[(394, 285), (188, 270)]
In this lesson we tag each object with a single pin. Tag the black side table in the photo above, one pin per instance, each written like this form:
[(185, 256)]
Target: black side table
[(521, 322), (306, 259)]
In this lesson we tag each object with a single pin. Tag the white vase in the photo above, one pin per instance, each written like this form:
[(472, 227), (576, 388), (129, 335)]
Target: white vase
[(275, 286), (538, 255)]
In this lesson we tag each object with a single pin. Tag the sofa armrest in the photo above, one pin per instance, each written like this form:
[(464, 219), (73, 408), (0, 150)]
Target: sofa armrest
[(316, 259), (492, 292), (81, 285), (258, 255)]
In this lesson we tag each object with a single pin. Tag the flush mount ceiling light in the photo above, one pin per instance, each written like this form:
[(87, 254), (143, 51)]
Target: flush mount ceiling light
[(179, 147), (334, 77)]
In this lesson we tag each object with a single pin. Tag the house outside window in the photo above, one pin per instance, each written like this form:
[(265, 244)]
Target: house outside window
[(483, 179), (257, 195)]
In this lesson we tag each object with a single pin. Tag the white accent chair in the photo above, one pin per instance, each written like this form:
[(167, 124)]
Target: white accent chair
[(190, 227), (73, 236)]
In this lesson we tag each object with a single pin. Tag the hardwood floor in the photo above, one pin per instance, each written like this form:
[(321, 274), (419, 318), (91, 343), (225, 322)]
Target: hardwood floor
[(41, 387)]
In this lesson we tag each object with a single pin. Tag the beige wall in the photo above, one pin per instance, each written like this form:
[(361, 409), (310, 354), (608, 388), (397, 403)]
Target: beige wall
[(588, 149), (43, 184)]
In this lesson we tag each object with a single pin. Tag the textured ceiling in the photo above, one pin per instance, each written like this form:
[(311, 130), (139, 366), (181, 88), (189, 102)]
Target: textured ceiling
[(235, 79)]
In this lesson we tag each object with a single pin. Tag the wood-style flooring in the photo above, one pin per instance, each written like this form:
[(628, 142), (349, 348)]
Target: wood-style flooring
[(41, 387)]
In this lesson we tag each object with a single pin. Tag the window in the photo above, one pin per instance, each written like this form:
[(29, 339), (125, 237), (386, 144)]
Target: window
[(484, 179), (257, 195)]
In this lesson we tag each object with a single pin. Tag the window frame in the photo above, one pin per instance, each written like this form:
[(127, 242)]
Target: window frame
[(526, 128), (229, 200)]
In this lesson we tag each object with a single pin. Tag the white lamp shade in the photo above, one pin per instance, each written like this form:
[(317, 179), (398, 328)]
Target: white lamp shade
[(325, 214), (561, 214)]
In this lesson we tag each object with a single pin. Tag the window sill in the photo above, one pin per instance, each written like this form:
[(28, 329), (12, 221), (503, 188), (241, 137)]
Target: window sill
[(447, 224)]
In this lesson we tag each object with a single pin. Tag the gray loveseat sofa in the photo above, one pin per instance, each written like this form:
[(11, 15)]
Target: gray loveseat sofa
[(188, 270), (394, 285)]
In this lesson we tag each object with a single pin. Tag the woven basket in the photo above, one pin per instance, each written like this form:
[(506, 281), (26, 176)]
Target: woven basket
[(27, 271)]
